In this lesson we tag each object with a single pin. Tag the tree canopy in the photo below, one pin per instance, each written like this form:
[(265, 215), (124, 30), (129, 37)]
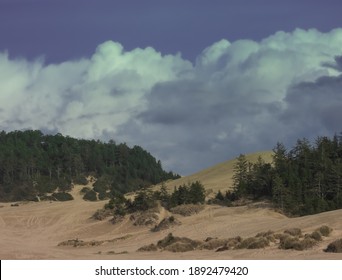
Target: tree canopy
[(33, 163), (304, 180)]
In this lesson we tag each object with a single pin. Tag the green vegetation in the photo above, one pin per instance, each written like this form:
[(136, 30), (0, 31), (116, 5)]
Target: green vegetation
[(305, 180), (62, 196), (185, 200), (90, 196), (32, 164)]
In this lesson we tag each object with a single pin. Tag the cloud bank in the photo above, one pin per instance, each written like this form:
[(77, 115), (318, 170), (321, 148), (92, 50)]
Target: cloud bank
[(237, 97)]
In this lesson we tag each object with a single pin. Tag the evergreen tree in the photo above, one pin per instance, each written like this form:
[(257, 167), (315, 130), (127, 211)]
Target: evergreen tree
[(240, 177)]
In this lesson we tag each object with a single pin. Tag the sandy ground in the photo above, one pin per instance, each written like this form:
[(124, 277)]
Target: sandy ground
[(33, 230)]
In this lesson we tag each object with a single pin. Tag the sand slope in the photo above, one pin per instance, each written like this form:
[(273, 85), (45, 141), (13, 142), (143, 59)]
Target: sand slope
[(219, 176), (33, 230)]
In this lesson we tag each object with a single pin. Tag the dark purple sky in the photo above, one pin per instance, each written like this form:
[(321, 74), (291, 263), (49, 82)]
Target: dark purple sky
[(67, 29), (250, 74)]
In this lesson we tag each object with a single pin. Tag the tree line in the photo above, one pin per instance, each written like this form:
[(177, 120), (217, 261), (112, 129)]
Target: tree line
[(304, 180), (146, 198), (32, 163)]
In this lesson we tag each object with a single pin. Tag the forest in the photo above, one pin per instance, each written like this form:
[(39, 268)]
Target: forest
[(32, 163), (301, 181)]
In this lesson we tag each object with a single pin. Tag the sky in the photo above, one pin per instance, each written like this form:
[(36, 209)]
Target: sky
[(193, 82)]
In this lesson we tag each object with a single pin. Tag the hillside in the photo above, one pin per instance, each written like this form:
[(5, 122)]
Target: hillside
[(219, 176), (33, 164), (33, 230)]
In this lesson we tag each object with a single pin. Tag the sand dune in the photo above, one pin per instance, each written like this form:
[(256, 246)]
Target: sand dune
[(219, 176), (33, 230)]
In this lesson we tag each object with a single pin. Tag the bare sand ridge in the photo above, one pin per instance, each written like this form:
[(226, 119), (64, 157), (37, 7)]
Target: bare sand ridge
[(219, 176), (33, 230)]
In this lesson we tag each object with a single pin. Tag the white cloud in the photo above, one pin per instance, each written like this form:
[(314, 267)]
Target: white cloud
[(237, 97)]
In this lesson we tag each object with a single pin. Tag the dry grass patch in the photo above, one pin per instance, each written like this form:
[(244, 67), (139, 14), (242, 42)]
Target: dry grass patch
[(293, 242), (145, 218), (102, 214), (80, 243), (307, 243), (180, 247), (114, 253), (253, 243), (269, 235), (187, 209), (178, 244), (148, 248), (288, 242), (117, 219), (294, 231), (213, 243), (166, 223), (232, 243), (334, 247)]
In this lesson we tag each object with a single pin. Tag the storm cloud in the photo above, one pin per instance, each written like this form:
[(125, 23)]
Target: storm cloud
[(237, 97)]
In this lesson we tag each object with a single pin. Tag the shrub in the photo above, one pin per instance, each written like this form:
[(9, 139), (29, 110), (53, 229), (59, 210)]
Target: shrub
[(233, 242), (288, 242), (316, 235), (116, 219), (101, 214), (80, 180), (294, 243), (62, 196), (281, 236), (120, 210), (145, 218), (325, 230), (306, 243), (91, 196), (102, 184), (294, 231), (214, 244), (334, 247), (103, 195), (85, 190), (269, 235), (192, 193), (64, 184), (143, 201), (180, 247), (253, 243), (169, 239)]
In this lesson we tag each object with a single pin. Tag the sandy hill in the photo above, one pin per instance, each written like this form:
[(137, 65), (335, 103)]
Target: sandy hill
[(34, 230), (219, 176)]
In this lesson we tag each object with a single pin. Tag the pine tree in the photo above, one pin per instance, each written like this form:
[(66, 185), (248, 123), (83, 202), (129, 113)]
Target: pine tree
[(240, 177)]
